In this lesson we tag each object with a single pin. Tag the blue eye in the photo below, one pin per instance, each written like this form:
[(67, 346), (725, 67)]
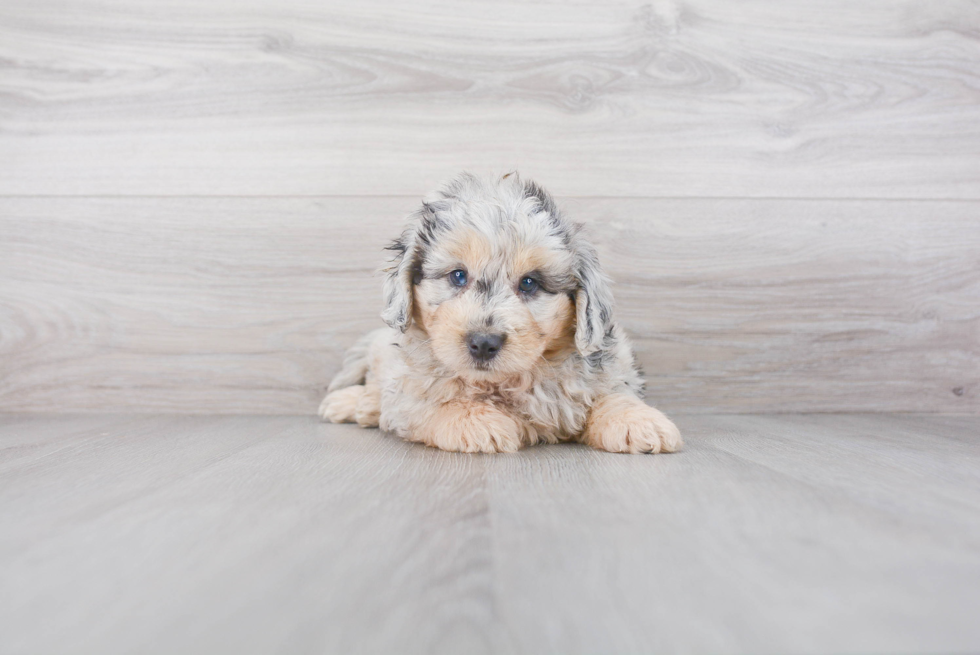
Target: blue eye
[(458, 278), (528, 285)]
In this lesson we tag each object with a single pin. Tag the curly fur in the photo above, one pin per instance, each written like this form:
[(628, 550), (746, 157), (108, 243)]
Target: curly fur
[(565, 371)]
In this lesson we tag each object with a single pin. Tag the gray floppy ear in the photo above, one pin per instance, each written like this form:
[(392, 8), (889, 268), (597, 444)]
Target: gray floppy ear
[(406, 268), (593, 301), (402, 276)]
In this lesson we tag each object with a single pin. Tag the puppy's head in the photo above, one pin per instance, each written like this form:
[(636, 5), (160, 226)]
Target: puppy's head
[(496, 280)]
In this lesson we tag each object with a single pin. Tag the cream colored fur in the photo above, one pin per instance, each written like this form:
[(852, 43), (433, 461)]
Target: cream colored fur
[(566, 370)]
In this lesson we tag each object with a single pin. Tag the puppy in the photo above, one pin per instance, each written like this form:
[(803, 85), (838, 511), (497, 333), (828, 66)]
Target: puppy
[(501, 334)]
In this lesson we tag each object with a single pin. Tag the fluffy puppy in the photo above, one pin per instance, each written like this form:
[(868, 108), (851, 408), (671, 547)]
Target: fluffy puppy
[(500, 334)]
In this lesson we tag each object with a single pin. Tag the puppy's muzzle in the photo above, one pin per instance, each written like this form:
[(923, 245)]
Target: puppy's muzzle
[(484, 346)]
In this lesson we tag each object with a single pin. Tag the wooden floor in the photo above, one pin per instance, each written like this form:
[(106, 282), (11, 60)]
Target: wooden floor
[(780, 533)]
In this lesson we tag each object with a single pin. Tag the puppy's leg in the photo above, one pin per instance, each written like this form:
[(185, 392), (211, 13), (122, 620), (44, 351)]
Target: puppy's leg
[(359, 404), (341, 406), (469, 427), (368, 410), (354, 394), (622, 423)]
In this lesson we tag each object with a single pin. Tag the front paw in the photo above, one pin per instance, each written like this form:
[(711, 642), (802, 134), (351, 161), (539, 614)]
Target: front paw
[(359, 404), (470, 428), (341, 406), (622, 423)]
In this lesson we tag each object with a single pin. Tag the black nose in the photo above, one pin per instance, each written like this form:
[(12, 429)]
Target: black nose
[(484, 347)]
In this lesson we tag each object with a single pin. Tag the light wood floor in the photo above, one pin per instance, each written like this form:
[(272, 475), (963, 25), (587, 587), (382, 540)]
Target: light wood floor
[(780, 533)]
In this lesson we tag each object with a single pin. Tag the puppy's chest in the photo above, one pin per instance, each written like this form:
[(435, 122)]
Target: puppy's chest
[(499, 398), (548, 404), (545, 405)]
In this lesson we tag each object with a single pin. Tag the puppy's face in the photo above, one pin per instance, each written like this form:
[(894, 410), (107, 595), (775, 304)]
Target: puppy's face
[(495, 297), (496, 281)]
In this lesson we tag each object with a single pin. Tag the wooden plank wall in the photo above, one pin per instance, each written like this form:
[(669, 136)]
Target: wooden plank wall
[(194, 196)]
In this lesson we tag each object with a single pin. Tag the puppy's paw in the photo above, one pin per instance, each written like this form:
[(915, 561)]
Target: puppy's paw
[(341, 406), (622, 423), (470, 428), (368, 412)]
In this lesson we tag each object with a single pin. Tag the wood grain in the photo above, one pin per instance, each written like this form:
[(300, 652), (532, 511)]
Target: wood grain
[(211, 534), (201, 486), (230, 305), (766, 532), (700, 98)]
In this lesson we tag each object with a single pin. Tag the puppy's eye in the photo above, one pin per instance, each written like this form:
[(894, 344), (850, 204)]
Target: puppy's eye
[(528, 285), (458, 278)]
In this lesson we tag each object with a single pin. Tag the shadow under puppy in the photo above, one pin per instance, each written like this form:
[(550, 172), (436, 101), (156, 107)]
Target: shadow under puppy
[(501, 334)]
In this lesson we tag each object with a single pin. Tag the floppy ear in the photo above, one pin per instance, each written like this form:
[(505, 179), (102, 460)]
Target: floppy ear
[(593, 297), (593, 301), (403, 274), (406, 268)]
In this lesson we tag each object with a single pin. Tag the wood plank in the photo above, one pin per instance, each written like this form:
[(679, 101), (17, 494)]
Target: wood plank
[(696, 98), (821, 533), (228, 305), (768, 534), (204, 534)]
